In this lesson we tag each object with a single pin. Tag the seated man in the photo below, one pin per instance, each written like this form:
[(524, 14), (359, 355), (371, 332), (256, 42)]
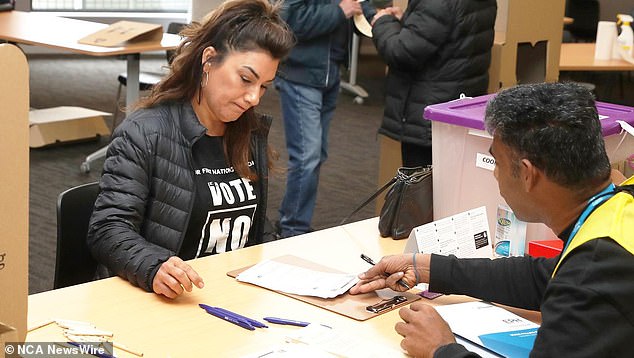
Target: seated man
[(551, 167)]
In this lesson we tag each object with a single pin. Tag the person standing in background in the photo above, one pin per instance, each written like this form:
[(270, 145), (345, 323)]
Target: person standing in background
[(435, 50), (308, 83)]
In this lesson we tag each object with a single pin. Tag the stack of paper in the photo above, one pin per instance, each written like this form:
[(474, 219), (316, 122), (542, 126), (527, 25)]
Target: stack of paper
[(492, 327), (298, 280)]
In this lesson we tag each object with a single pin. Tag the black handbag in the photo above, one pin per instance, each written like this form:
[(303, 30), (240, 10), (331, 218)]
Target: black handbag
[(6, 5), (408, 203)]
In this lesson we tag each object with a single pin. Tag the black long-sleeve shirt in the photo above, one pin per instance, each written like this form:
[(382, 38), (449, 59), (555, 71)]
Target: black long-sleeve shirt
[(587, 308)]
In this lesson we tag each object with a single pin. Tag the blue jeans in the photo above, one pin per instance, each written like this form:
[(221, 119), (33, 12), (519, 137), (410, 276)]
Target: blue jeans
[(307, 112)]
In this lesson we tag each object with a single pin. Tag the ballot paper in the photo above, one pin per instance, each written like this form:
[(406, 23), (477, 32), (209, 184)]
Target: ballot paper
[(291, 350), (341, 343), (492, 327), (298, 280)]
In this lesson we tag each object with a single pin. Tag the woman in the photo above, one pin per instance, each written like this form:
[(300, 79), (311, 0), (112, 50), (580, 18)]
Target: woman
[(435, 50), (186, 174)]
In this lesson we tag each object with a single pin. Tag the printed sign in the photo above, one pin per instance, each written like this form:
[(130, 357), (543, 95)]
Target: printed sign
[(485, 161)]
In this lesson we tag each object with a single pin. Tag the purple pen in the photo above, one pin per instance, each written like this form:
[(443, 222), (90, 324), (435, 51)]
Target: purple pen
[(290, 322), (237, 321), (251, 321)]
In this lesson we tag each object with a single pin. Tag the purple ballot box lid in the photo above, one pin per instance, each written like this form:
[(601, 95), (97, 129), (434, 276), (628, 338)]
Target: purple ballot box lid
[(469, 112)]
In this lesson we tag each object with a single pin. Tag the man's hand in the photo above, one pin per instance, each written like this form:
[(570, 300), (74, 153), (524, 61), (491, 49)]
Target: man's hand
[(175, 277), (350, 8), (391, 269), (423, 330)]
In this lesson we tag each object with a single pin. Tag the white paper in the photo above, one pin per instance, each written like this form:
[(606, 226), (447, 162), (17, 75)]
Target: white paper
[(463, 235), (475, 348), (485, 161), (472, 320), (341, 343), (291, 350), (298, 280)]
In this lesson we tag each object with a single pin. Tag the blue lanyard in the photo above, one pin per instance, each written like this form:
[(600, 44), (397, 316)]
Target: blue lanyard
[(594, 201)]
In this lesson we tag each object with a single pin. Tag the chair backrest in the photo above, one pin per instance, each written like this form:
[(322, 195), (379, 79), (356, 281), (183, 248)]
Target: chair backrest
[(173, 28), (74, 264), (586, 18)]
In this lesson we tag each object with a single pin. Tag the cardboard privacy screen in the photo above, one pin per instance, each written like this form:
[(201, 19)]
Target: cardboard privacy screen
[(124, 31)]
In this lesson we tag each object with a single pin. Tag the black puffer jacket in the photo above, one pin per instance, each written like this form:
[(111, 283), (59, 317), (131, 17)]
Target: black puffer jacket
[(439, 49), (147, 192)]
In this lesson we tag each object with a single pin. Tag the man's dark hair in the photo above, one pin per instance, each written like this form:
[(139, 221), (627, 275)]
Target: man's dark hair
[(556, 127)]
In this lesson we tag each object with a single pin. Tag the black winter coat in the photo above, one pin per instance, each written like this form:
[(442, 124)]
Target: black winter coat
[(439, 49), (147, 192)]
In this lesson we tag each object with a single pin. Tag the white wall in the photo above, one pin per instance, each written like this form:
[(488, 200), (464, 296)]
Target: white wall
[(200, 8)]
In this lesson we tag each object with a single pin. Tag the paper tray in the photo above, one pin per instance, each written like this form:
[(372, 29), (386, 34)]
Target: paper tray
[(352, 306)]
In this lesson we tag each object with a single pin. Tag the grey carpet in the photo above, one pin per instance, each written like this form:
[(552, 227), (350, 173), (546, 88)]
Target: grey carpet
[(348, 176)]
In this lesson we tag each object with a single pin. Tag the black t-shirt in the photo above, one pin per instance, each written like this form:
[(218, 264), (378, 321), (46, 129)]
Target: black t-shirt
[(224, 204)]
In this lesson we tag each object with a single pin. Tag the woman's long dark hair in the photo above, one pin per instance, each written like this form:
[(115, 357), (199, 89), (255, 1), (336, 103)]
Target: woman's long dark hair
[(236, 25)]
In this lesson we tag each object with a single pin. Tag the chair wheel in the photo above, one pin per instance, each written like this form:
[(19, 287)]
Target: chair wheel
[(358, 100), (84, 167)]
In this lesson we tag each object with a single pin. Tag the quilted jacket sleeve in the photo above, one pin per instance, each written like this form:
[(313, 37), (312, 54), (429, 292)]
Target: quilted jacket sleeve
[(114, 231), (407, 45)]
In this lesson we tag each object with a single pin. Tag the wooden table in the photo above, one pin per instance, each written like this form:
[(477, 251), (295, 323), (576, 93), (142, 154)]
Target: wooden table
[(580, 57), (42, 29), (160, 327)]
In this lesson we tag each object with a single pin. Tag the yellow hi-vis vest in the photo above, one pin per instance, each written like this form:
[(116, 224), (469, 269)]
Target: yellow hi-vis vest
[(614, 219)]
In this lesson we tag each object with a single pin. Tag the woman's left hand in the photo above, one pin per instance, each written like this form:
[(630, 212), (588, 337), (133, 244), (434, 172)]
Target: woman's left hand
[(175, 277)]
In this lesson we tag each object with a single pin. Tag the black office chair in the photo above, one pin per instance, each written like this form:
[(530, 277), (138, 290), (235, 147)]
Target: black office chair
[(585, 15), (74, 264)]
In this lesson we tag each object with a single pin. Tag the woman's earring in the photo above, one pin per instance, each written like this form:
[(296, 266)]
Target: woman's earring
[(203, 83)]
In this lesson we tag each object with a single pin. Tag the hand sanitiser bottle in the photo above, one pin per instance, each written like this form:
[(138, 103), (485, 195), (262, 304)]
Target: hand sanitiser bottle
[(510, 234), (626, 39)]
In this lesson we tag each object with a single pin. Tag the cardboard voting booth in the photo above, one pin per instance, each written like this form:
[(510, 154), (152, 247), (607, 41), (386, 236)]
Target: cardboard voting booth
[(527, 43), (122, 32), (14, 193), (463, 170), (65, 124)]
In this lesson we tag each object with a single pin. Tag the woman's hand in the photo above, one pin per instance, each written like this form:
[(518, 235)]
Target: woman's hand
[(175, 277), (395, 11)]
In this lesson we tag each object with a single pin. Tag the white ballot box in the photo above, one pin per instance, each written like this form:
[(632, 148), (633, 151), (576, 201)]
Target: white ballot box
[(463, 168)]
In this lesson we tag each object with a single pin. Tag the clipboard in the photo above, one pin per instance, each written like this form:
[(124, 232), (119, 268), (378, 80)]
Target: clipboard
[(122, 32), (353, 306)]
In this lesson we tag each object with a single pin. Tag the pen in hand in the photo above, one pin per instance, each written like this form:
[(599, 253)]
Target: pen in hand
[(371, 262)]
